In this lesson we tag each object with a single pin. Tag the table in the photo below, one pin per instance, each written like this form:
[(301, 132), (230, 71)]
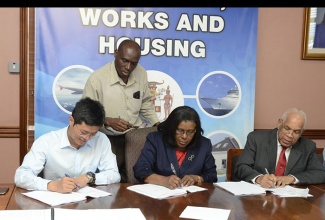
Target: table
[(266, 206), (4, 199)]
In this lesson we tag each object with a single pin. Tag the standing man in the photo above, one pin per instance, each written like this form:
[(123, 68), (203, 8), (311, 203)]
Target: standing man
[(71, 157), (122, 87), (281, 156)]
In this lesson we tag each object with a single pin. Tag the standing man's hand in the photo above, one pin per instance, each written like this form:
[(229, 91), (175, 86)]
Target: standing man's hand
[(117, 124)]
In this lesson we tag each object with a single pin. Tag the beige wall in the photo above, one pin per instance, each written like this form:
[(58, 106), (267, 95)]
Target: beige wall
[(9, 91), (283, 80)]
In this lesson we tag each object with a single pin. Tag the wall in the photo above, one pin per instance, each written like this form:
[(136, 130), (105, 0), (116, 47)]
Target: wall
[(283, 80), (9, 87)]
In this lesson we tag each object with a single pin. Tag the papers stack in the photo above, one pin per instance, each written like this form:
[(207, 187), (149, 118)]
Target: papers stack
[(289, 191), (161, 192), (244, 188), (55, 198)]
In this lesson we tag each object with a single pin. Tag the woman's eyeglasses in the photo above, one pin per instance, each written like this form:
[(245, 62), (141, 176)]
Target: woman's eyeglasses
[(182, 132)]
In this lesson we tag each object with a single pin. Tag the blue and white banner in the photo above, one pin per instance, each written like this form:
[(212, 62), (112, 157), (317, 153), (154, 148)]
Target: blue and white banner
[(201, 57)]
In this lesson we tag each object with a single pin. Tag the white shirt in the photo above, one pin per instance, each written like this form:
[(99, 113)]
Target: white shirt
[(53, 153)]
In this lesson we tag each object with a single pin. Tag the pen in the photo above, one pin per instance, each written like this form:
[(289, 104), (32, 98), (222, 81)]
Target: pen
[(52, 213), (267, 172), (70, 177), (174, 171), (173, 168)]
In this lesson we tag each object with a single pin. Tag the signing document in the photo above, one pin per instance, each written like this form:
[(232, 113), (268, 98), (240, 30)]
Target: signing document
[(161, 192), (55, 198), (243, 188)]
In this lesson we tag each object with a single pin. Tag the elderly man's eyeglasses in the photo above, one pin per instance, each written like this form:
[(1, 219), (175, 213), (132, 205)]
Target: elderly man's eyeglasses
[(182, 132), (85, 134)]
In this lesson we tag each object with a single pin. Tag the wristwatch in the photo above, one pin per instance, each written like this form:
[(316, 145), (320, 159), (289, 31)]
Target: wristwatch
[(91, 178)]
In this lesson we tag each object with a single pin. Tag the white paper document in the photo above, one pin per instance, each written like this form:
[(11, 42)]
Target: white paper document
[(289, 191), (86, 214), (42, 214), (55, 198), (161, 192), (64, 214), (245, 188), (205, 213), (241, 188)]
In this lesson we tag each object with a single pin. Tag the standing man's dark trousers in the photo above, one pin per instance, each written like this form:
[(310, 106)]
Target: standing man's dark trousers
[(118, 148)]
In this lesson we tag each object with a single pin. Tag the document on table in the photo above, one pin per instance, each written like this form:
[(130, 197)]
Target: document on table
[(204, 213), (289, 191), (55, 198), (241, 188), (245, 188), (63, 214), (161, 192)]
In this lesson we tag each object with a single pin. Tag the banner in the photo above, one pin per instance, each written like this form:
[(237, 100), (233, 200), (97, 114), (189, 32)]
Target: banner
[(201, 57)]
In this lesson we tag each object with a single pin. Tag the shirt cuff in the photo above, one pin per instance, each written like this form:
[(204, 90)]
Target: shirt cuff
[(254, 180), (296, 180)]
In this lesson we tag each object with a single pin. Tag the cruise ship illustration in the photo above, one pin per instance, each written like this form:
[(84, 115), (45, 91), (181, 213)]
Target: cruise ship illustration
[(226, 103)]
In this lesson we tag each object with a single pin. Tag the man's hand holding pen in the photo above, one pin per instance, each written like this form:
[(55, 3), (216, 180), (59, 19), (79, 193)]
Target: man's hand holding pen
[(271, 181), (63, 185)]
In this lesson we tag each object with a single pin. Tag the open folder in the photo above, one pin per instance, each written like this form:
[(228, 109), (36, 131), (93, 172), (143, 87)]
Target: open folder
[(161, 192), (55, 198)]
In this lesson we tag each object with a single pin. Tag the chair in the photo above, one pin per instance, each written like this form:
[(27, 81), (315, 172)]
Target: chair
[(319, 153), (232, 158), (134, 142)]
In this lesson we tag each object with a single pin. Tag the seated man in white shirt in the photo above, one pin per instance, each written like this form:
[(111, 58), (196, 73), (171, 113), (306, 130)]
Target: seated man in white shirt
[(71, 156)]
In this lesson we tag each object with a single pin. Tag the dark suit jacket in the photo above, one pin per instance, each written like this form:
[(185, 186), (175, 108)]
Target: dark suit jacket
[(261, 150), (157, 156)]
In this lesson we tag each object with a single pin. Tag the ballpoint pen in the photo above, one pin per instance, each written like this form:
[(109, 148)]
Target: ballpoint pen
[(79, 187), (173, 168), (174, 171), (267, 172)]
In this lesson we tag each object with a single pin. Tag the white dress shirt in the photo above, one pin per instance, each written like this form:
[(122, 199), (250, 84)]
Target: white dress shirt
[(53, 154)]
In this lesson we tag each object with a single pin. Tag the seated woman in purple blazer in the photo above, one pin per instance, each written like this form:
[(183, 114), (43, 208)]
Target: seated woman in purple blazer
[(177, 154)]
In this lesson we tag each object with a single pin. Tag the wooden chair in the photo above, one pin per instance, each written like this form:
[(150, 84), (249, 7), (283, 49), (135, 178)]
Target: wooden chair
[(319, 153), (134, 142), (232, 158)]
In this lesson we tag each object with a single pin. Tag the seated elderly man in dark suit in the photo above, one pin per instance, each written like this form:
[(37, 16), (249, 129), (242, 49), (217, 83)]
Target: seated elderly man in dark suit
[(281, 156)]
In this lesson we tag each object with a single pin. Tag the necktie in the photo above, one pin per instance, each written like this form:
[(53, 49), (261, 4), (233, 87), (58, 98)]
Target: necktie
[(282, 162)]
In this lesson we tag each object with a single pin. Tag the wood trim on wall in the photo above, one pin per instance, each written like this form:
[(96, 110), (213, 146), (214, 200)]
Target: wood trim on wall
[(9, 132), (314, 134), (25, 50)]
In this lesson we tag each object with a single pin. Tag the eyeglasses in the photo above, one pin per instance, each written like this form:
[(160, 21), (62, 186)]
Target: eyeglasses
[(182, 132), (293, 132), (85, 134)]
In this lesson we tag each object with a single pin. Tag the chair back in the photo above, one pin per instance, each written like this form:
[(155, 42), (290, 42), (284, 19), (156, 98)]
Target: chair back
[(134, 142), (232, 158), (319, 153)]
